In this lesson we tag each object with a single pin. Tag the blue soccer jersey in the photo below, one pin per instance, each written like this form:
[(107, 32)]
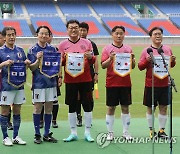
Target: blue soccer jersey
[(40, 81), (17, 55)]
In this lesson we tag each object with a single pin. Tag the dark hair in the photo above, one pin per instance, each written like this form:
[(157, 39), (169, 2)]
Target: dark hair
[(7, 28), (154, 28), (116, 27), (71, 22), (46, 27), (84, 25)]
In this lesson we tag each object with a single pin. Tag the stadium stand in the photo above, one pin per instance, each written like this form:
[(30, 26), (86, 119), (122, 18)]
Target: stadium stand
[(107, 8), (101, 16), (129, 7), (40, 8), (132, 29), (169, 8), (21, 26), (74, 8), (163, 23), (18, 8), (56, 25), (151, 8), (176, 21)]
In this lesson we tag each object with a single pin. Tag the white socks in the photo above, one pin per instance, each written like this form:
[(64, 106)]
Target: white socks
[(72, 122), (149, 119), (125, 121), (109, 122), (87, 121), (162, 121)]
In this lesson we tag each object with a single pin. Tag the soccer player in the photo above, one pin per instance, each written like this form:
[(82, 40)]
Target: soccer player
[(118, 59), (77, 58), (10, 53), (55, 103), (10, 127), (44, 90), (84, 28), (160, 84)]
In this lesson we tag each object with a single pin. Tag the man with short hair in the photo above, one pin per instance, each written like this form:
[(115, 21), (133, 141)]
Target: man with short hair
[(55, 103), (118, 59), (160, 81), (44, 90), (77, 58), (9, 54)]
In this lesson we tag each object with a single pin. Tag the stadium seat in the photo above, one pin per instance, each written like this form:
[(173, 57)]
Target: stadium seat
[(170, 29), (21, 26), (56, 25), (72, 8), (107, 8), (132, 29)]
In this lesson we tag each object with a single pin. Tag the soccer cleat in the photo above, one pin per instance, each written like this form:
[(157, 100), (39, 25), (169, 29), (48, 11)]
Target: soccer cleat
[(49, 138), (88, 138), (18, 140), (7, 141), (127, 136), (37, 139), (79, 121), (72, 137), (151, 134), (9, 126), (162, 134), (41, 125), (110, 136), (54, 124)]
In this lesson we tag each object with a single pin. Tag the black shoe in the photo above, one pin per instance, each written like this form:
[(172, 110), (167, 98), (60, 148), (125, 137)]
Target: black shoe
[(79, 121), (37, 139), (41, 125), (54, 124), (9, 126), (162, 134), (49, 138), (151, 134)]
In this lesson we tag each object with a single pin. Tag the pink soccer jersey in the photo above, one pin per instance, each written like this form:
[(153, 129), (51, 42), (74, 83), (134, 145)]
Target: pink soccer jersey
[(144, 64), (80, 46), (112, 79)]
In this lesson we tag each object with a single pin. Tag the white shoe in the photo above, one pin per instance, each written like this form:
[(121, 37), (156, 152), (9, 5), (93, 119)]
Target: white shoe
[(18, 140), (7, 141), (110, 136), (127, 136)]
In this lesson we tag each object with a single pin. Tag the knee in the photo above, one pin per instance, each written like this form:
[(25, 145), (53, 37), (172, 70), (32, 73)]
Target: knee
[(111, 110), (125, 109), (163, 110), (37, 110)]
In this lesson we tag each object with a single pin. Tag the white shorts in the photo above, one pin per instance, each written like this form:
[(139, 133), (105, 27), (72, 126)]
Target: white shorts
[(12, 97), (44, 95)]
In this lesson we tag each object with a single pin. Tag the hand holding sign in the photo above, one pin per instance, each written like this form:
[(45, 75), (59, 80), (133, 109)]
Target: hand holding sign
[(8, 62), (88, 54), (39, 55)]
